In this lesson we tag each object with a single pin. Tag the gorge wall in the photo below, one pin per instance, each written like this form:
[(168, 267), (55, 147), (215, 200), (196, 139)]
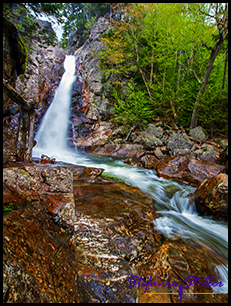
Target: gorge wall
[(34, 75)]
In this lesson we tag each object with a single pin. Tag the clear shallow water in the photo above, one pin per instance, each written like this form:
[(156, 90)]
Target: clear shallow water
[(178, 218)]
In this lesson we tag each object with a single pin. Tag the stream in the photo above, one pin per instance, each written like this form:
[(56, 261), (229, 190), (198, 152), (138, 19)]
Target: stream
[(178, 215)]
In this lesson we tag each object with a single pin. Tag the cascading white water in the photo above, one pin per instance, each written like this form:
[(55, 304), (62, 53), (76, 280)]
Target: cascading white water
[(178, 218), (52, 135)]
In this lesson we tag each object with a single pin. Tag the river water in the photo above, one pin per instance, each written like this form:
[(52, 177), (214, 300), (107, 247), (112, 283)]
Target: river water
[(178, 215)]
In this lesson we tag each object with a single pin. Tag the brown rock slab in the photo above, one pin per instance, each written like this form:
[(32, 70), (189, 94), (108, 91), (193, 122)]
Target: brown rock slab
[(134, 162), (211, 197), (121, 150), (150, 161), (38, 261), (114, 227), (187, 169)]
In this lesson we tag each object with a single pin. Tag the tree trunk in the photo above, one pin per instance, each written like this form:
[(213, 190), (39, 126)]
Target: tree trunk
[(226, 61), (204, 83), (164, 77), (30, 141), (178, 75)]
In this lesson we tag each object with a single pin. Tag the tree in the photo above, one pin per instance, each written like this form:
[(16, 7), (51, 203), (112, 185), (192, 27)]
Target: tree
[(219, 12), (23, 16), (80, 17)]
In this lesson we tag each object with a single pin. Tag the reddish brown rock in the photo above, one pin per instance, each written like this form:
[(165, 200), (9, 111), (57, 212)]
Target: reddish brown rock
[(121, 150), (100, 237), (187, 169), (211, 197), (87, 174), (150, 161), (113, 229), (134, 162), (38, 258), (173, 262)]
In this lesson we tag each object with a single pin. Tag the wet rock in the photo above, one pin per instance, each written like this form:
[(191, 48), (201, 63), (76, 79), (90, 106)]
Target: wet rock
[(210, 156), (82, 246), (158, 152), (182, 152), (197, 133), (121, 150), (47, 160), (134, 162), (178, 141), (38, 259), (150, 161), (98, 136), (187, 169), (173, 262), (86, 174), (113, 229), (211, 197), (28, 181)]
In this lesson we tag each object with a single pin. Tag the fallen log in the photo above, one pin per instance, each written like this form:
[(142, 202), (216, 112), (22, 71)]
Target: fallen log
[(16, 97)]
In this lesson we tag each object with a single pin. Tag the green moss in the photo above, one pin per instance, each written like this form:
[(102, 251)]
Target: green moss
[(24, 173), (22, 57), (7, 208), (17, 46)]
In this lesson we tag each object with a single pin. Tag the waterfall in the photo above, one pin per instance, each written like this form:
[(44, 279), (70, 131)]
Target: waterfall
[(52, 135), (178, 218)]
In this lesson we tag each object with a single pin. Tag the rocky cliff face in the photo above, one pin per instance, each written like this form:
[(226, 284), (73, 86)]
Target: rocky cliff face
[(43, 74), (35, 77), (90, 108), (14, 64)]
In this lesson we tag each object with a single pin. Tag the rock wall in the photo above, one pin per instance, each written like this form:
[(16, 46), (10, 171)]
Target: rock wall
[(14, 63), (43, 74), (90, 108)]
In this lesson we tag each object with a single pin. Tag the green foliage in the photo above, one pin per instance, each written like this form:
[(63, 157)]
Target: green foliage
[(81, 17), (159, 47), (7, 208), (20, 14), (132, 105)]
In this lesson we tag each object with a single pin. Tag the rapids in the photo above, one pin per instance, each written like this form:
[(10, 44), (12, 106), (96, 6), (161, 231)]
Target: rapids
[(178, 216)]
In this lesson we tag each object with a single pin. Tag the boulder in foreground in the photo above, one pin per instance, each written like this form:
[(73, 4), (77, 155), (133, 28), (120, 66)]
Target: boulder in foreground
[(211, 197)]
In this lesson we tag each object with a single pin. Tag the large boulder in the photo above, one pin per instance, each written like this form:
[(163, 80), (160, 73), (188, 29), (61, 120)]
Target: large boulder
[(178, 141), (211, 197), (188, 169), (148, 140), (197, 133), (155, 131)]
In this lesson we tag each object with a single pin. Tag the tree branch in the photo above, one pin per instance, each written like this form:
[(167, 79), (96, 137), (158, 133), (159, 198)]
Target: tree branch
[(12, 93), (204, 44)]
